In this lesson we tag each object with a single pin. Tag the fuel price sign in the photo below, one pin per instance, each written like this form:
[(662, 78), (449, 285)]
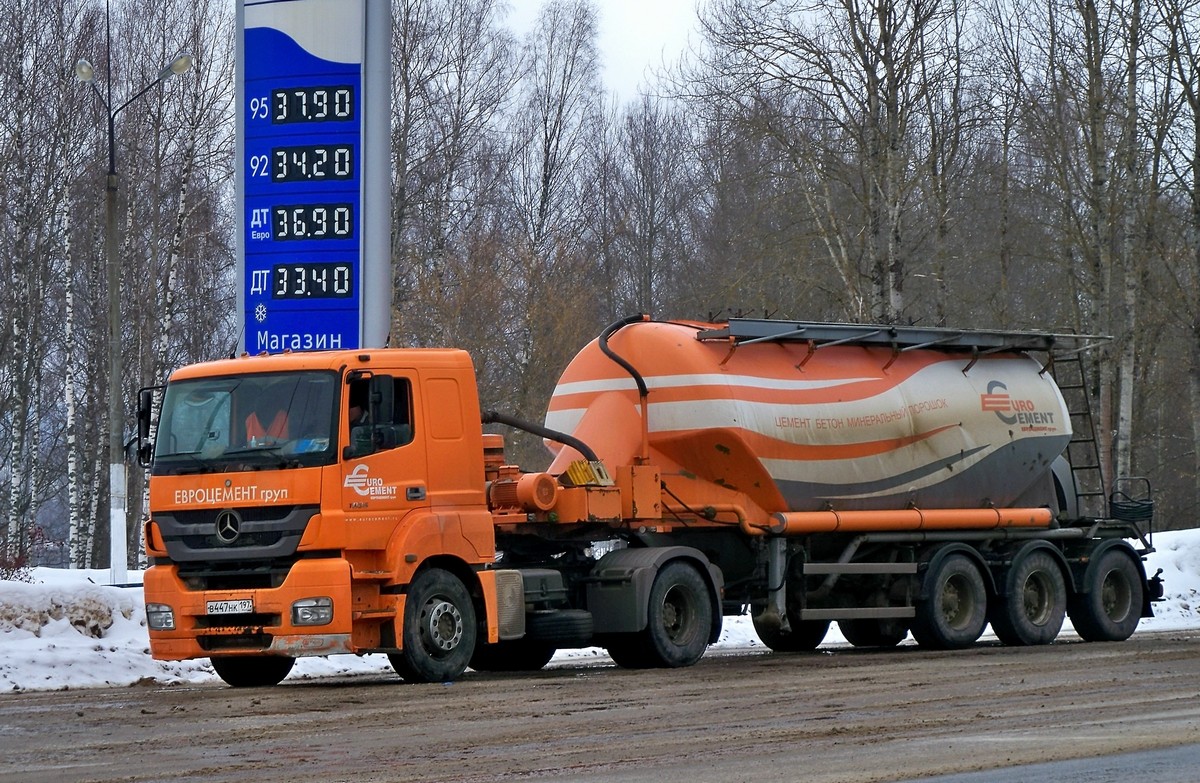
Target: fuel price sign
[(313, 174)]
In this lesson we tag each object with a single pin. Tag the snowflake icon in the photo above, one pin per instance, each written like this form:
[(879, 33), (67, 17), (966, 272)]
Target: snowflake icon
[(260, 312)]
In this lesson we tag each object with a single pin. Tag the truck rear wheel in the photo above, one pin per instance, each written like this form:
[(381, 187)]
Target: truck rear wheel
[(955, 612), (805, 635), (679, 621), (439, 629), (255, 671), (1035, 603), (1110, 604)]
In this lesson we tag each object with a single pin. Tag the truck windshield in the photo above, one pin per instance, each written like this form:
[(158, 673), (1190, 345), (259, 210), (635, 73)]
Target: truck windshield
[(250, 422)]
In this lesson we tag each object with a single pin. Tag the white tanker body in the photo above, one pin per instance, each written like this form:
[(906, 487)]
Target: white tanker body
[(912, 478)]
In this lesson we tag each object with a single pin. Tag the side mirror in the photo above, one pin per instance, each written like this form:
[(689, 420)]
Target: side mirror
[(145, 417)]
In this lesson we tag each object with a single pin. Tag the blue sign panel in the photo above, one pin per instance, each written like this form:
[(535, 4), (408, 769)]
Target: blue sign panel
[(302, 169)]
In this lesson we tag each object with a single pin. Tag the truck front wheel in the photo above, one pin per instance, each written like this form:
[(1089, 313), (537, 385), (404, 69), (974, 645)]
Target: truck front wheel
[(439, 629), (256, 671)]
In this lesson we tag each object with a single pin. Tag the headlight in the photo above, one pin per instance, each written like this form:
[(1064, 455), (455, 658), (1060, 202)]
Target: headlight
[(160, 617), (312, 611)]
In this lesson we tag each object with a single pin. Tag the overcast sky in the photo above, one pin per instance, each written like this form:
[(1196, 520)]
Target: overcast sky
[(635, 36)]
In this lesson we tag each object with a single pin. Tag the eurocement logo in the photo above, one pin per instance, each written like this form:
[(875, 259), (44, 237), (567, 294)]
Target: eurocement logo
[(361, 481), (1024, 412)]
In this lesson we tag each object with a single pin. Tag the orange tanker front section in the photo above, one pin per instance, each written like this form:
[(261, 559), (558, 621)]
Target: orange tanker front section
[(896, 481)]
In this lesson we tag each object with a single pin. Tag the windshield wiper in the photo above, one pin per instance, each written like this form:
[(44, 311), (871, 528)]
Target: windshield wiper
[(200, 464), (274, 451)]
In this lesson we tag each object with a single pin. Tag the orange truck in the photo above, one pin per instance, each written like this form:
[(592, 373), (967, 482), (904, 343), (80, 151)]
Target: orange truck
[(895, 480)]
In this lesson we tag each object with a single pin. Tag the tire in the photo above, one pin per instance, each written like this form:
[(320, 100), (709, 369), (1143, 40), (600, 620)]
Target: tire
[(518, 655), (439, 629), (805, 636), (873, 632), (256, 671), (1035, 602), (955, 612), (679, 617), (1109, 605), (560, 627), (679, 621)]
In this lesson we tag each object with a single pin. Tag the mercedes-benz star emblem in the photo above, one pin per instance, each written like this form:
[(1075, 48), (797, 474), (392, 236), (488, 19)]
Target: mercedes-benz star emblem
[(229, 526)]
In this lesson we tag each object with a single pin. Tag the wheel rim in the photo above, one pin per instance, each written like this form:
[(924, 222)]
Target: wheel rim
[(1116, 596), (677, 615), (441, 625), (957, 602), (1036, 597)]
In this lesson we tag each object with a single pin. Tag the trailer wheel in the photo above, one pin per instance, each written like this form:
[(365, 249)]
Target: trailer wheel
[(955, 612), (805, 636), (256, 671), (1032, 611), (439, 629), (517, 655), (873, 633), (1110, 604)]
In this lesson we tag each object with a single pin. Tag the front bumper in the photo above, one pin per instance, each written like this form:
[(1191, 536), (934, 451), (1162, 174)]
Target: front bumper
[(267, 630)]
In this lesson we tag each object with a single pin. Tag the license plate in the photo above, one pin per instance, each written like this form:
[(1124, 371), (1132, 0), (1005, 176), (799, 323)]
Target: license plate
[(239, 606)]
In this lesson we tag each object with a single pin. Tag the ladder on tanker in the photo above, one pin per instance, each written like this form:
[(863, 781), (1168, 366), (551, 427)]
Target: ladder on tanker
[(1083, 450)]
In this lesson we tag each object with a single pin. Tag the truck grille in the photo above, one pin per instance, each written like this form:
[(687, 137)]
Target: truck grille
[(246, 575), (234, 535)]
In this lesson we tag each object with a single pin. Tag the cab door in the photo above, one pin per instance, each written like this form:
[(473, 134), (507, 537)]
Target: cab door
[(384, 455)]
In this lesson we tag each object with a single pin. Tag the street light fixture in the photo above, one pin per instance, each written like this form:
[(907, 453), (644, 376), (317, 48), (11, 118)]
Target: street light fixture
[(117, 481)]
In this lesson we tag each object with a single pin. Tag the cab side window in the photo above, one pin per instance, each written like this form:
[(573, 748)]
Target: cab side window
[(380, 412)]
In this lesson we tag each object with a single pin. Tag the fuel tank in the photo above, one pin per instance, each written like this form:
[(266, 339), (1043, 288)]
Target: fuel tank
[(848, 426)]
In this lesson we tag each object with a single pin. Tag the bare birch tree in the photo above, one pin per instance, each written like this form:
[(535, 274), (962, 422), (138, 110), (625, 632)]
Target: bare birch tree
[(840, 77)]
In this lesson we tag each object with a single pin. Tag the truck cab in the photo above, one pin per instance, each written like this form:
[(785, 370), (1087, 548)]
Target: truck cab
[(298, 499)]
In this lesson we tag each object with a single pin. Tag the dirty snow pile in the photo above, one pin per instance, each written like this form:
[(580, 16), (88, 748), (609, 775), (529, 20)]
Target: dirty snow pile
[(69, 629)]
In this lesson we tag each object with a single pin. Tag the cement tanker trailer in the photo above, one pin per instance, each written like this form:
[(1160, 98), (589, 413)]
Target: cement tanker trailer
[(891, 479)]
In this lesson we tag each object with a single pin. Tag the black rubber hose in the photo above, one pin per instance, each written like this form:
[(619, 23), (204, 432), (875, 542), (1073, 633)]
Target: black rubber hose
[(494, 417), (637, 377)]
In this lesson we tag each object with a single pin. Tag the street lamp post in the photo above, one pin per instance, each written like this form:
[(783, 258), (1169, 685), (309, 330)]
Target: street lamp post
[(117, 480)]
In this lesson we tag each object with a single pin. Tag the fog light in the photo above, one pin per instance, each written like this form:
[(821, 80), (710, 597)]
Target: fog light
[(160, 617), (312, 611)]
